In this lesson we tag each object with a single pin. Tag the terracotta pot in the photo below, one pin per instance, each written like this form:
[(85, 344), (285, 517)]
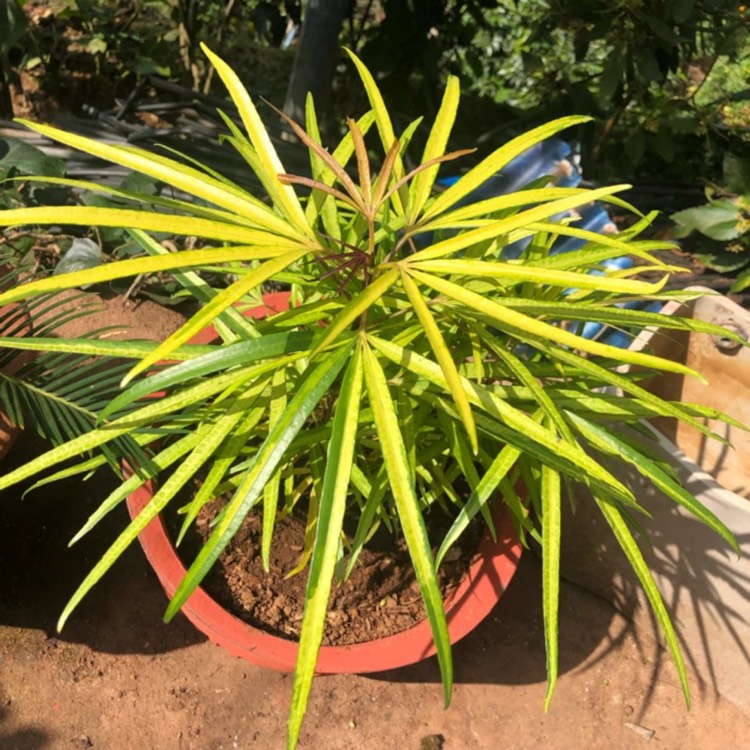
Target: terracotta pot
[(465, 607)]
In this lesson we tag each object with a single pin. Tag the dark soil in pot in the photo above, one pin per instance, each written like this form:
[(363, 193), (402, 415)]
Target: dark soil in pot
[(380, 598)]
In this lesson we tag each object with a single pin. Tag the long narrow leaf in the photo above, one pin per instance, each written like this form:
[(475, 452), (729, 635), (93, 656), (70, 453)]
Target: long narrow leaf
[(504, 226), (501, 466), (496, 160), (230, 324), (412, 523), (603, 438), (209, 438), (514, 321), (515, 419), (172, 173), (478, 213), (382, 120), (629, 546), (608, 376), (551, 501), (443, 356), (340, 456), (277, 405), (144, 416), (228, 453), (135, 266), (435, 147), (283, 196), (161, 461), (223, 358), (526, 272)]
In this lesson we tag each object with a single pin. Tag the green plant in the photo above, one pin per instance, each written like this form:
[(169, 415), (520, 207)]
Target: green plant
[(12, 30), (70, 247), (725, 223), (115, 42), (415, 372), (659, 78)]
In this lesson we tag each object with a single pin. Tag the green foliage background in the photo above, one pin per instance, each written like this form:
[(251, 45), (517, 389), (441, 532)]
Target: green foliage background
[(665, 81)]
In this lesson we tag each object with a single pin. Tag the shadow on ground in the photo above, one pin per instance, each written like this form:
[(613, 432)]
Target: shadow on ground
[(489, 655), (26, 738), (41, 572), (123, 613), (119, 678)]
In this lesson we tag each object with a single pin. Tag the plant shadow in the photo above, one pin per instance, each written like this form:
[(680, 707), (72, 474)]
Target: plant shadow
[(704, 584), (23, 738), (489, 654), (706, 590)]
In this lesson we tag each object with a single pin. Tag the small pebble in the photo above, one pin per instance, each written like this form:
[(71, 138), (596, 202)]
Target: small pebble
[(432, 742), (352, 724), (647, 734)]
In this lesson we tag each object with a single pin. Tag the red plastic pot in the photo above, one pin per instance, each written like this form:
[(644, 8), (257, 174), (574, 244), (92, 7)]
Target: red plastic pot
[(465, 607)]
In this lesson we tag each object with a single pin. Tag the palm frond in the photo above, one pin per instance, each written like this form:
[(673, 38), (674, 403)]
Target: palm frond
[(60, 395)]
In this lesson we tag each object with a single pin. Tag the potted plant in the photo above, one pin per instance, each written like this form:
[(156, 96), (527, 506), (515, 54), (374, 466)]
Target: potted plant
[(415, 372)]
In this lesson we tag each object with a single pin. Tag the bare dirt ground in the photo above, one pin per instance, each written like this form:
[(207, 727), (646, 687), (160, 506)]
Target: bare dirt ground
[(117, 678)]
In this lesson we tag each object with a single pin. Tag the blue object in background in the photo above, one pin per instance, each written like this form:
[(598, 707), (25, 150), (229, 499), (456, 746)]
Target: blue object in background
[(555, 159), (549, 158)]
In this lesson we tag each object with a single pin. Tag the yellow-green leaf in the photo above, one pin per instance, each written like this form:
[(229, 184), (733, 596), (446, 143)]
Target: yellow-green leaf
[(382, 119), (407, 505), (479, 211), (527, 272), (209, 439), (192, 181), (500, 409), (508, 318), (340, 458), (510, 223), (317, 383), (218, 304), (551, 520), (496, 160), (435, 147), (443, 355), (277, 405), (282, 195), (629, 546), (150, 221)]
